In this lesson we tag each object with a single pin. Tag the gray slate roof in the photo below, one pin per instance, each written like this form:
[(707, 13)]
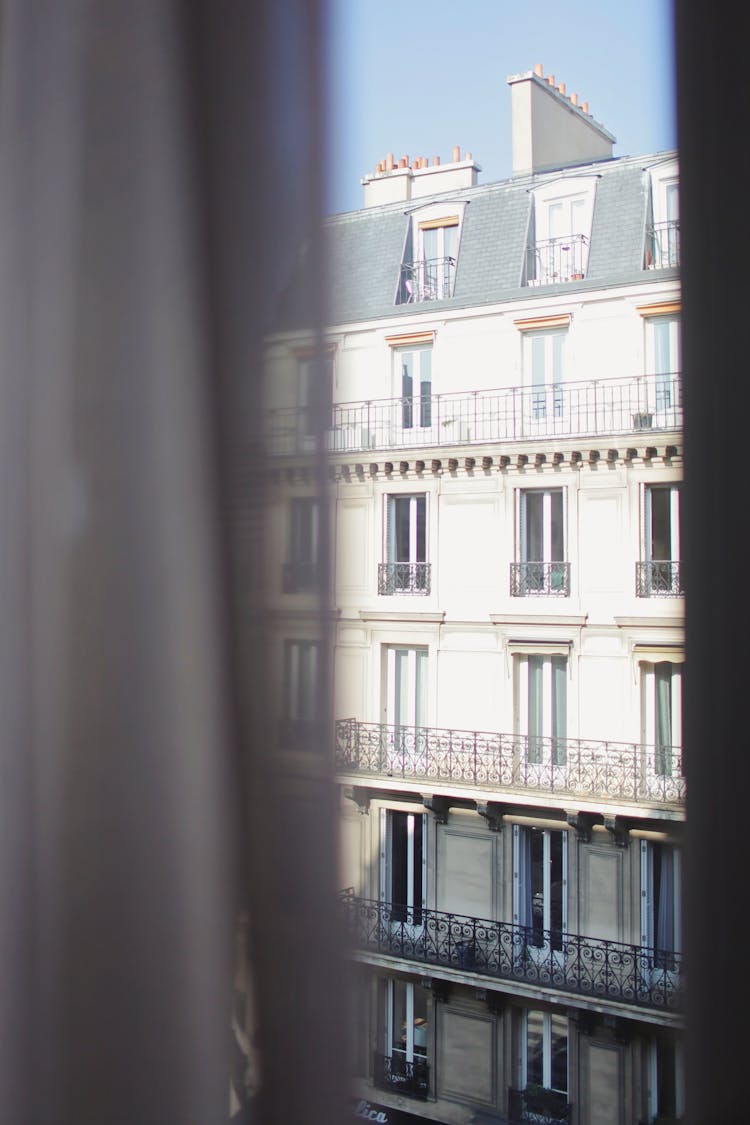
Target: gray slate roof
[(364, 248)]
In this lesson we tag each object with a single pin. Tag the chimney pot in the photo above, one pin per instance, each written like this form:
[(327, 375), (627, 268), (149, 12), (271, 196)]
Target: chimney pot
[(551, 79), (468, 156), (456, 154), (389, 162), (574, 99), (538, 70), (561, 87), (435, 161), (585, 107)]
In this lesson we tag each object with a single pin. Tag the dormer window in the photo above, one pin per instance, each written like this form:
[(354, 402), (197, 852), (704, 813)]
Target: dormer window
[(560, 231), (663, 229), (428, 266)]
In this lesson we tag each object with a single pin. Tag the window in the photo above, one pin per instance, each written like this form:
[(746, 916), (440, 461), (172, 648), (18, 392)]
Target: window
[(405, 707), (540, 888), (428, 266), (413, 386), (403, 1066), (661, 707), (403, 865), (300, 571), (541, 545), (660, 903), (560, 231), (302, 683), (658, 574), (311, 369), (663, 367), (666, 1097), (663, 232), (406, 570), (544, 354), (541, 714), (546, 1051)]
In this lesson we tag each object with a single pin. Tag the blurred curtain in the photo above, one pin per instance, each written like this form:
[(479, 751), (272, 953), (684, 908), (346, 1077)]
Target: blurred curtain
[(159, 171)]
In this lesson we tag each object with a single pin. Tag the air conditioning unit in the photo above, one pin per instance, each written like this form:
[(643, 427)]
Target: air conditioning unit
[(643, 420)]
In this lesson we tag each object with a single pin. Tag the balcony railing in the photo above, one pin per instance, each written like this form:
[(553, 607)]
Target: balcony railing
[(538, 1106), (557, 259), (663, 245), (299, 577), (658, 578), (575, 409), (404, 578), (427, 280), (603, 970), (570, 767), (549, 579), (410, 1077)]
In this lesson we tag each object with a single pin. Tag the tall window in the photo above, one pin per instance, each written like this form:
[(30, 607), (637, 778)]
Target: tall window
[(403, 859), (540, 886), (666, 1094), (659, 572), (541, 710), (405, 570), (300, 569), (663, 241), (559, 243), (315, 387), (661, 706), (302, 703), (544, 354), (403, 1066), (663, 366), (406, 686), (413, 385), (546, 1050), (542, 568), (660, 902), (428, 269)]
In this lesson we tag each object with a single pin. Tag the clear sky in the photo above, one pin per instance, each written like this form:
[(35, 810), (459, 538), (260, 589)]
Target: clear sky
[(416, 77)]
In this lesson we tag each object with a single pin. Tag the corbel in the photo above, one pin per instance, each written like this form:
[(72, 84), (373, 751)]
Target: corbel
[(492, 811), (438, 806), (618, 827), (438, 988), (388, 468), (360, 797), (419, 467), (619, 1027), (558, 458), (584, 1019), (575, 458), (504, 460), (403, 467), (612, 455), (540, 459), (523, 459), (373, 469), (486, 463), (469, 463), (359, 469), (594, 456), (436, 465), (582, 822), (452, 464), (495, 1001)]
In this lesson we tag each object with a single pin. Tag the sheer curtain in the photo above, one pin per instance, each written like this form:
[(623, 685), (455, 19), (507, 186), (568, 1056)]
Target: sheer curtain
[(159, 180)]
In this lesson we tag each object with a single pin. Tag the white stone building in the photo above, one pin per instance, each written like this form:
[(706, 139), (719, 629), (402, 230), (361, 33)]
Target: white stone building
[(505, 455)]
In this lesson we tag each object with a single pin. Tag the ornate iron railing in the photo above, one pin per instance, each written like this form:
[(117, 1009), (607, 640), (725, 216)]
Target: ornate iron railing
[(428, 280), (550, 579), (575, 409), (404, 1076), (575, 767), (658, 578), (299, 577), (604, 970), (538, 1106), (557, 259), (404, 578), (663, 245)]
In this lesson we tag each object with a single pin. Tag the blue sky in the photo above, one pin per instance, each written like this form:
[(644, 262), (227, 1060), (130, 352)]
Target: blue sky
[(416, 77)]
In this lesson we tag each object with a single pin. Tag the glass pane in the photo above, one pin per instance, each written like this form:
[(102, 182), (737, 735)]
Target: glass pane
[(534, 1048), (559, 1052), (420, 1020), (420, 705), (430, 243), (450, 242), (534, 502), (537, 886), (557, 544), (661, 538), (536, 708), (421, 510), (556, 888), (407, 389), (663, 716), (401, 519), (559, 708), (398, 1015), (416, 898), (399, 861), (425, 387)]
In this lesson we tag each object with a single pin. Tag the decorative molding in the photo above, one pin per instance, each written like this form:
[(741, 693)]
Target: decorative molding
[(530, 323), (618, 827), (404, 338), (439, 806), (401, 615), (660, 308), (583, 822), (492, 811)]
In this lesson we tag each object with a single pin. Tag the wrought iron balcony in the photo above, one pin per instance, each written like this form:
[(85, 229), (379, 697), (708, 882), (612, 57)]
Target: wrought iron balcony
[(428, 280), (658, 578), (537, 1106), (549, 579), (410, 1077), (663, 245), (603, 970), (299, 577), (570, 409), (404, 578), (557, 259), (570, 767)]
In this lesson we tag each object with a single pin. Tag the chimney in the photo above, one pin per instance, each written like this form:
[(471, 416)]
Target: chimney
[(549, 129), (394, 181)]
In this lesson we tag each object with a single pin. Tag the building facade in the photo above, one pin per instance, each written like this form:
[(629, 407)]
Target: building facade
[(500, 388)]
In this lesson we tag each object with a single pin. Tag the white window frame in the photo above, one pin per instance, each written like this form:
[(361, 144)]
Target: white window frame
[(544, 376), (674, 520), (301, 552), (522, 877), (659, 762), (406, 670), (416, 1037), (425, 284), (547, 1020), (547, 747), (416, 868), (570, 193), (302, 680), (663, 377), (665, 208), (413, 411), (307, 367), (417, 503), (653, 1079), (523, 523)]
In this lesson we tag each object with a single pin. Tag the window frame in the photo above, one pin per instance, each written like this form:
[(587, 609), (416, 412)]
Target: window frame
[(547, 1020), (417, 283), (560, 191), (300, 573), (524, 893), (546, 580)]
